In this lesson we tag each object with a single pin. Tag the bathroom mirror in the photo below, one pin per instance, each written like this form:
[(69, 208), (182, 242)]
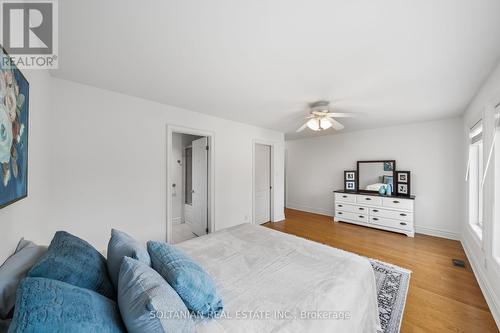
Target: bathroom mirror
[(374, 174)]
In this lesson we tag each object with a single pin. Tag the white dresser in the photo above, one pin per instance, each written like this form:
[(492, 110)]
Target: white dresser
[(376, 211)]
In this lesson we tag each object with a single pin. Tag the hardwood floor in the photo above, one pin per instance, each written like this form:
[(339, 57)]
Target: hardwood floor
[(441, 298)]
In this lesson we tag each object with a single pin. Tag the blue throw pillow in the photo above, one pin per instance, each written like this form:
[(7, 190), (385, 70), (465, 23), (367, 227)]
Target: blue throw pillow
[(122, 245), (74, 261), (190, 281), (49, 306), (148, 303)]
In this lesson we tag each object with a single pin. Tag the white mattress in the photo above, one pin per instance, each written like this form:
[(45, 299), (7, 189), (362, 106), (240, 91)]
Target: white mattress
[(268, 280)]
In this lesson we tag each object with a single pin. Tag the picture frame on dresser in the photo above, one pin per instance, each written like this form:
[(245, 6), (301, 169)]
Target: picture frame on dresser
[(350, 180), (403, 183)]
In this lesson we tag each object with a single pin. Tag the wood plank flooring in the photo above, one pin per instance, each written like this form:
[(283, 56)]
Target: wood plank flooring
[(441, 298)]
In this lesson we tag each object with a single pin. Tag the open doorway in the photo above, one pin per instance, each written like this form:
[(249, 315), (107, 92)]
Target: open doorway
[(263, 183), (189, 194)]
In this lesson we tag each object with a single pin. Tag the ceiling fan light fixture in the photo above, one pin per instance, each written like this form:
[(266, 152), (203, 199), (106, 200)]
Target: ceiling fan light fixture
[(313, 124), (325, 123)]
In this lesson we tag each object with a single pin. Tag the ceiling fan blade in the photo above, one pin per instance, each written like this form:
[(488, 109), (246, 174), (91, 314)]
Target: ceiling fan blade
[(301, 128), (341, 115), (336, 125)]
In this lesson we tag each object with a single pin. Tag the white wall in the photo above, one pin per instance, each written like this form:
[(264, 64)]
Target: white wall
[(108, 164), (431, 151), (27, 218), (480, 252)]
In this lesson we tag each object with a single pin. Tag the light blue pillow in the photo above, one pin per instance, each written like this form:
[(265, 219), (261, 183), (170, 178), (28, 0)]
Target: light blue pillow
[(50, 306), (148, 303), (190, 281), (122, 245), (13, 270), (74, 261)]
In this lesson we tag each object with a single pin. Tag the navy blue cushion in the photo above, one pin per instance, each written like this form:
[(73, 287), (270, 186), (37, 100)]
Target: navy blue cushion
[(190, 281), (44, 305), (148, 303), (122, 245), (74, 261)]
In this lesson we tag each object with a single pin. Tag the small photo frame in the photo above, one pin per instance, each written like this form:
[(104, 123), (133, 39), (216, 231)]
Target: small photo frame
[(350, 185), (402, 178), (403, 189), (388, 166), (350, 175), (403, 182)]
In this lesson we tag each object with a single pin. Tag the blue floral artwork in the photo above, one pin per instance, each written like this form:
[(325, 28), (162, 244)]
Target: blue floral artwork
[(14, 96)]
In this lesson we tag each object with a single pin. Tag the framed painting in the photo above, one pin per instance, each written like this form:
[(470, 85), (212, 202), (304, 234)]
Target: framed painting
[(14, 122)]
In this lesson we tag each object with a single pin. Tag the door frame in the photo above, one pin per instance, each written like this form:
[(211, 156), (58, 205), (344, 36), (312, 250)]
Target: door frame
[(272, 144), (171, 129)]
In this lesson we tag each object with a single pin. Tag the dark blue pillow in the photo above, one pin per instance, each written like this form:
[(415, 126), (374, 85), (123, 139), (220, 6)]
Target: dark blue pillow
[(122, 245), (148, 303), (74, 261), (44, 305), (189, 280)]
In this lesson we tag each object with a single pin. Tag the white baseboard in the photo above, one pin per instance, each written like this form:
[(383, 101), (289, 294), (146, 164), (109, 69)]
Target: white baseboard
[(309, 209), (437, 232), (177, 220), (484, 284)]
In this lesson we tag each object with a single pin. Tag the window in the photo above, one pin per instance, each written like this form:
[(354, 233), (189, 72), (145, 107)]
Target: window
[(475, 176)]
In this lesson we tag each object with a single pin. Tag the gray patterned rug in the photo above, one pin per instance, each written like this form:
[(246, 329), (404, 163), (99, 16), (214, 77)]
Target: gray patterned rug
[(392, 287)]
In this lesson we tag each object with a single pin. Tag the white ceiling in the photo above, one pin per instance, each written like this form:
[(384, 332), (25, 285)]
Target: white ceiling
[(262, 62)]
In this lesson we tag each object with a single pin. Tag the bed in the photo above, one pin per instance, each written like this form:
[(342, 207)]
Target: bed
[(271, 281)]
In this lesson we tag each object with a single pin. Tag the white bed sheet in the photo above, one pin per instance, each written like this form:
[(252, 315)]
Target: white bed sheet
[(268, 280), (374, 187)]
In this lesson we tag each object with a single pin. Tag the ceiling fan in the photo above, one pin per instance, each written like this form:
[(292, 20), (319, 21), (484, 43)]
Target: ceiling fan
[(322, 117)]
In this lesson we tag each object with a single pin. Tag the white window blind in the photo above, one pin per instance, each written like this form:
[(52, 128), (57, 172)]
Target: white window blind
[(475, 135), (493, 140)]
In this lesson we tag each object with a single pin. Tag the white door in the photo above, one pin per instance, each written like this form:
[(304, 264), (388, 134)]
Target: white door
[(200, 186), (262, 183)]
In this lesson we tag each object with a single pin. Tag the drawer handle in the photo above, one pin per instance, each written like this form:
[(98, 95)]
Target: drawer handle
[(375, 210), (368, 199), (402, 223), (402, 214), (361, 208), (344, 196), (340, 205), (395, 201), (340, 213), (375, 219), (361, 217)]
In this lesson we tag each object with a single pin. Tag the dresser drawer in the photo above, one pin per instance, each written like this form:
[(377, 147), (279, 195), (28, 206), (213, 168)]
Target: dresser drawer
[(351, 208), (344, 197), (369, 200), (391, 214), (397, 203), (352, 216), (392, 223)]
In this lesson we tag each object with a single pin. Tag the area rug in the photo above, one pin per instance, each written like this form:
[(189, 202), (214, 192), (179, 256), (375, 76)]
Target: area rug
[(392, 287)]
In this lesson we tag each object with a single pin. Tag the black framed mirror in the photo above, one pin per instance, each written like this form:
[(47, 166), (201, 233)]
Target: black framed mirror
[(371, 175)]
